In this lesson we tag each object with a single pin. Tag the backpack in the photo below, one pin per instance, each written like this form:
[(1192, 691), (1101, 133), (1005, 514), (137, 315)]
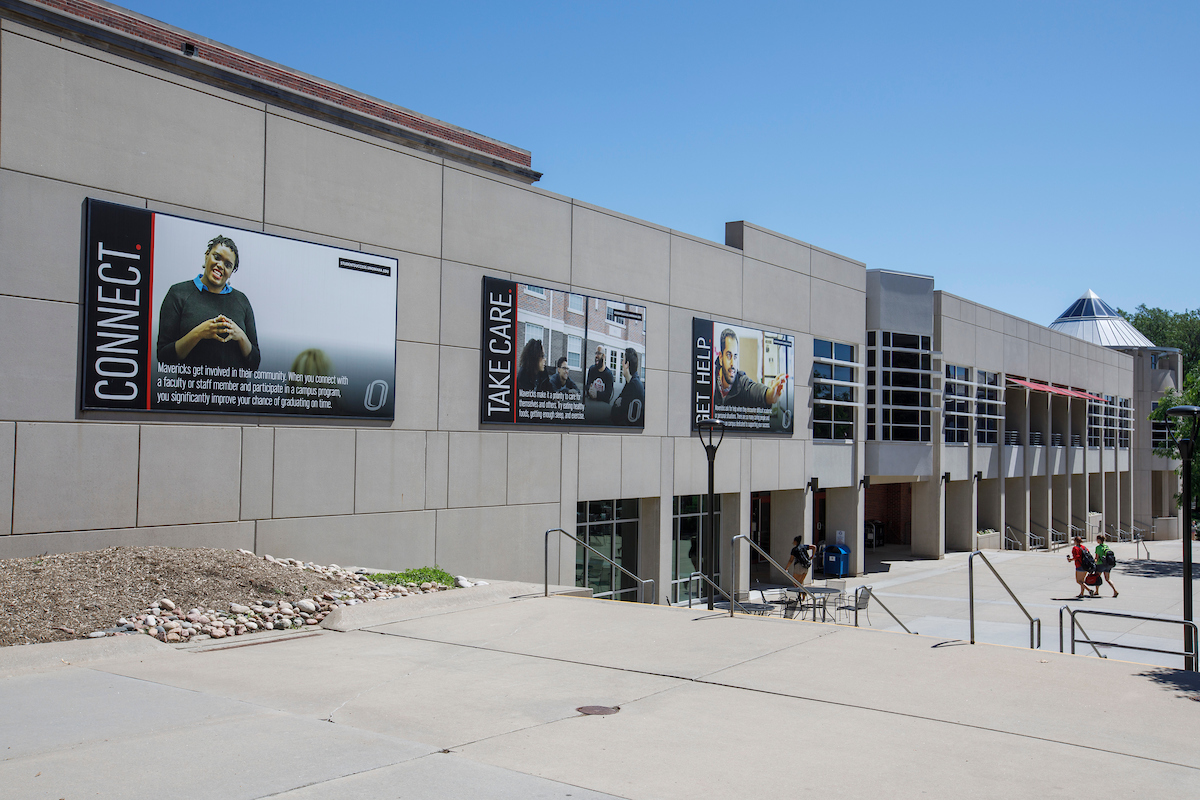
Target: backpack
[(1086, 562), (1110, 558)]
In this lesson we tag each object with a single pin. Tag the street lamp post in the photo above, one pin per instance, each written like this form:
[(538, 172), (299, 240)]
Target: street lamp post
[(1187, 447), (708, 547)]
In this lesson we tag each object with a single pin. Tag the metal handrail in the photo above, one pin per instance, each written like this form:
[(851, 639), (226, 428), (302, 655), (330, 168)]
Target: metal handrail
[(1189, 655), (1036, 541), (1011, 536), (1058, 539), (706, 579), (641, 587), (1139, 544), (767, 556), (971, 585), (871, 592)]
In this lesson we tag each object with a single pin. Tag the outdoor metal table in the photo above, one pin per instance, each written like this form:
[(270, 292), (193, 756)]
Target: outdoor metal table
[(759, 609), (821, 593)]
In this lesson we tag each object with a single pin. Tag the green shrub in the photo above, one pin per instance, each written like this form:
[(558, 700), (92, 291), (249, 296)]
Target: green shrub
[(418, 576)]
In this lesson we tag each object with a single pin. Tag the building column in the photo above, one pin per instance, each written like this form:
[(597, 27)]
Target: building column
[(928, 518)]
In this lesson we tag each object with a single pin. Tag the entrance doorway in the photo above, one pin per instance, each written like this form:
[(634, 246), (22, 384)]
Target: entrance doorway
[(818, 518), (760, 534)]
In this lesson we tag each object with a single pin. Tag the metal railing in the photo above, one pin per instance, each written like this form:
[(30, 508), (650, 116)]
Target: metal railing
[(1058, 539), (700, 576), (1012, 538), (1188, 653), (872, 595), (1139, 545), (1036, 541), (971, 585), (641, 587)]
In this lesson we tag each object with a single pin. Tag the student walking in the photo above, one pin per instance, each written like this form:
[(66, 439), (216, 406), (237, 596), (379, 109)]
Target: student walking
[(1081, 557), (1105, 561), (801, 557)]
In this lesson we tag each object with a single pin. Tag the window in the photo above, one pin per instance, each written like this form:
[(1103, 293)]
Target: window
[(611, 314), (1110, 421), (574, 352), (834, 390), (906, 362), (575, 303), (687, 530), (611, 527), (1095, 423), (989, 407), (536, 291), (956, 394), (1124, 421), (535, 332), (1159, 437)]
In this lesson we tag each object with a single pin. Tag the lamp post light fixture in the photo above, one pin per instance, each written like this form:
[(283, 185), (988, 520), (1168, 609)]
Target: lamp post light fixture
[(710, 428), (1187, 449)]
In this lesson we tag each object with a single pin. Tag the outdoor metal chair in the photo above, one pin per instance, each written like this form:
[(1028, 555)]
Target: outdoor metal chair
[(860, 602)]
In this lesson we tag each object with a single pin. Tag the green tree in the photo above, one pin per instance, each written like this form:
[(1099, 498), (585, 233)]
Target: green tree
[(1181, 427), (1169, 329)]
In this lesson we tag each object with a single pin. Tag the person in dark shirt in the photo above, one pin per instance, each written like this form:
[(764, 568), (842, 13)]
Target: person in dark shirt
[(628, 408), (599, 372), (531, 368), (561, 381), (732, 387), (207, 322)]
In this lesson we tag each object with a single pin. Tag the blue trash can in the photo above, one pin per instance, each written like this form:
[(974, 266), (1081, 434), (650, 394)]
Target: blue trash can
[(837, 560)]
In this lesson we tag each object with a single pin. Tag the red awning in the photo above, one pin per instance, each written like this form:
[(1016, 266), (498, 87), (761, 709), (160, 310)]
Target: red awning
[(1045, 387)]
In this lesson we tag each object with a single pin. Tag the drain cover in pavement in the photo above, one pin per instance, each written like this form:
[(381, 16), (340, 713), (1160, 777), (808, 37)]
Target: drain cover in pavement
[(598, 710)]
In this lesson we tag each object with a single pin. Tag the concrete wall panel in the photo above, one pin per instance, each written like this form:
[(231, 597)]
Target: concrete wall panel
[(833, 464), (8, 453), (774, 297), (389, 471), (437, 469), (958, 343), (39, 375), (314, 472), (226, 535), (640, 466), (393, 542), (418, 373), (764, 465), (458, 392), (835, 269), (506, 541), (500, 225), (613, 255), (706, 276), (258, 468), (40, 224), (837, 312), (79, 119), (419, 296), (75, 477), (772, 248), (792, 474), (324, 181), (189, 474), (478, 469), (534, 467), (462, 298), (599, 467)]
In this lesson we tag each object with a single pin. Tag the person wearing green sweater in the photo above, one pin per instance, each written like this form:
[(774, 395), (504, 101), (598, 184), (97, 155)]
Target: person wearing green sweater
[(207, 322), (1102, 565)]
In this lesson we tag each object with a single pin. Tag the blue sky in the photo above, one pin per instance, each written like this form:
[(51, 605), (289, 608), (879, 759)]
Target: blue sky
[(1019, 152)]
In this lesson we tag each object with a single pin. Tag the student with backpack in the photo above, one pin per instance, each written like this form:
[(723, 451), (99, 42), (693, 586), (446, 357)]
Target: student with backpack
[(1084, 564), (801, 557), (1106, 559)]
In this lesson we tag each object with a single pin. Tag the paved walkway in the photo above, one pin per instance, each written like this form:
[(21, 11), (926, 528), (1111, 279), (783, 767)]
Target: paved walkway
[(475, 693)]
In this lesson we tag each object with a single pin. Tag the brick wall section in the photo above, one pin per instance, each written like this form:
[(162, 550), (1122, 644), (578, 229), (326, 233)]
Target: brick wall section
[(228, 59), (892, 503)]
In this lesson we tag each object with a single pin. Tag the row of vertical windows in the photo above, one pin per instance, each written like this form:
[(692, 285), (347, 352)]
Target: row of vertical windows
[(956, 398), (899, 387), (833, 399), (611, 527), (989, 408)]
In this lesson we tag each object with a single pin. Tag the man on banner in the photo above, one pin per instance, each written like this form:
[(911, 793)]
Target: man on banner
[(599, 381), (733, 387)]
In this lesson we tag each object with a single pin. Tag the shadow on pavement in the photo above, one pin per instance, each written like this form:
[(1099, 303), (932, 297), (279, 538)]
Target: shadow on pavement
[(1176, 679), (1155, 569)]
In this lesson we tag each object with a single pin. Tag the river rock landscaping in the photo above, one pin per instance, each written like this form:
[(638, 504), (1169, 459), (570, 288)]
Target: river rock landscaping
[(185, 594)]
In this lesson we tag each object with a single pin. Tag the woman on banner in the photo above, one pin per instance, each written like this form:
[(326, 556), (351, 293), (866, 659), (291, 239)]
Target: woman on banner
[(207, 322)]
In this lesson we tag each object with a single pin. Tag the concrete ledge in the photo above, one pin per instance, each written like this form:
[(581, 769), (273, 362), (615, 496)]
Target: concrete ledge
[(399, 609), (40, 657)]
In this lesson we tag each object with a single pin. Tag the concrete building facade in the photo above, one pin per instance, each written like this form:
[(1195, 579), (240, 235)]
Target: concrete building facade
[(100, 103)]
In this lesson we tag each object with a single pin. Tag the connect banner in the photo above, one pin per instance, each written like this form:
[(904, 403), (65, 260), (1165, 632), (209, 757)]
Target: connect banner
[(742, 376), (182, 315), (554, 358)]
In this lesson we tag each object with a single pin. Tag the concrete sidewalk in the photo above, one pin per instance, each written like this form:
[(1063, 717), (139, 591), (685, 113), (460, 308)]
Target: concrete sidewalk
[(481, 697)]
